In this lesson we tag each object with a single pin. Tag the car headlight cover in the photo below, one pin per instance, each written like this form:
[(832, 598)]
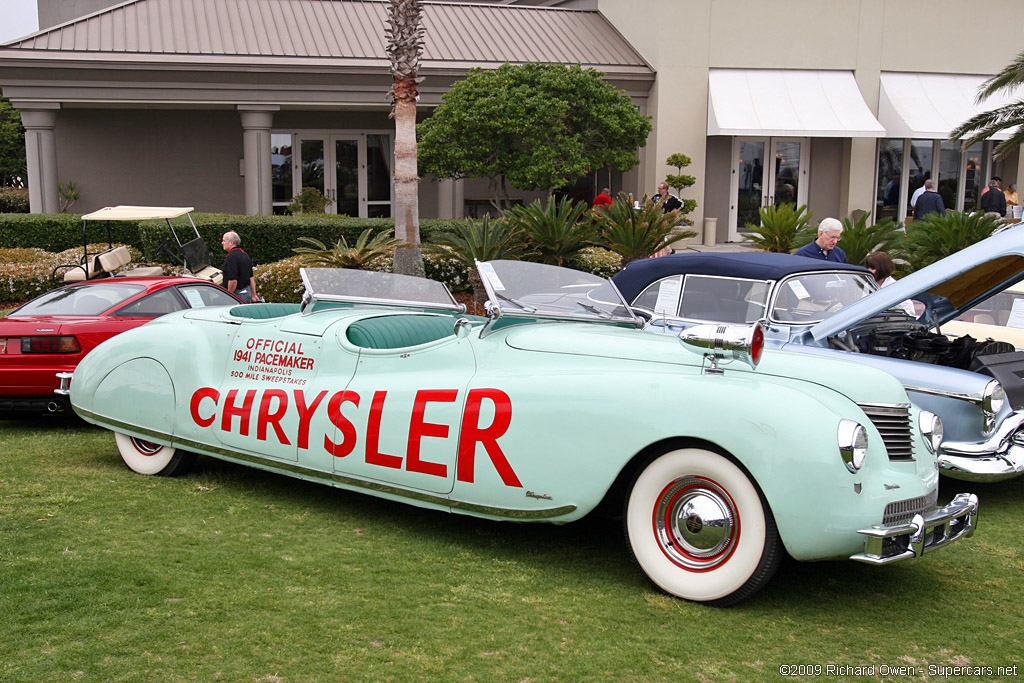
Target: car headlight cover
[(993, 398), (853, 444), (931, 429)]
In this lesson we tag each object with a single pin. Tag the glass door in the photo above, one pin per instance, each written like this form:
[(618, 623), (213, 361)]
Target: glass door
[(755, 187), (351, 170)]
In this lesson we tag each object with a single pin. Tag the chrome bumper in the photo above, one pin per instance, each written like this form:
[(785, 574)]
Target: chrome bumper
[(885, 544), (65, 383), (999, 457)]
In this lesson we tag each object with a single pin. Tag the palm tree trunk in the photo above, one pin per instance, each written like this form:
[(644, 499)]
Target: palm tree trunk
[(405, 44), (408, 259)]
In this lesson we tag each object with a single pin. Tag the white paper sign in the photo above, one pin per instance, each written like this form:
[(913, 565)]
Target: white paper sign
[(668, 297), (195, 299), (487, 270), (799, 289), (1016, 318)]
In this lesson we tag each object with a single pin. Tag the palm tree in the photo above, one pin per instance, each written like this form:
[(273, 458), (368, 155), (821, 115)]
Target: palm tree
[(637, 233), (473, 241), (360, 256), (783, 227), (937, 236), (1010, 116), (554, 231), (405, 45)]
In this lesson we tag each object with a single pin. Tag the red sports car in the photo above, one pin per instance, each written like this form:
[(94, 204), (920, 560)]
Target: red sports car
[(53, 332)]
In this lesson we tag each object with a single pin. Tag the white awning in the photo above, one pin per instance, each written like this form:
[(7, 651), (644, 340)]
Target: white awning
[(929, 106), (788, 102)]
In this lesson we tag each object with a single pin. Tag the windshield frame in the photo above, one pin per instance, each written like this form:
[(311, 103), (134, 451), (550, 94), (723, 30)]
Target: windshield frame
[(780, 288), (494, 275), (435, 295)]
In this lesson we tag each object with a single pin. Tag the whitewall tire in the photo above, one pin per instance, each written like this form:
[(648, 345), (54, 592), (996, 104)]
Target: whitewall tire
[(700, 529), (146, 457)]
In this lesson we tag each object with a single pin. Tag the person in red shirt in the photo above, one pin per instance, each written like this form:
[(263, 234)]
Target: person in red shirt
[(603, 199)]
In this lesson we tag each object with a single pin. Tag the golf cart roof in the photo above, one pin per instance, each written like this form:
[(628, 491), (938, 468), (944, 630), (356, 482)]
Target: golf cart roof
[(136, 213)]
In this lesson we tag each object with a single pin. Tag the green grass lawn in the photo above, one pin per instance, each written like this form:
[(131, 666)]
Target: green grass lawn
[(233, 574)]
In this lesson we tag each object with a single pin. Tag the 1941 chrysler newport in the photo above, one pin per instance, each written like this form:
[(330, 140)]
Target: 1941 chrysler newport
[(557, 400)]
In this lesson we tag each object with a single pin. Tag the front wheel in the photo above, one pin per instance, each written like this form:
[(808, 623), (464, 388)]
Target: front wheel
[(146, 457), (699, 528)]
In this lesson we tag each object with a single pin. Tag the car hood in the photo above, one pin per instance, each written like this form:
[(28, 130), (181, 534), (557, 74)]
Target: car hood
[(947, 288)]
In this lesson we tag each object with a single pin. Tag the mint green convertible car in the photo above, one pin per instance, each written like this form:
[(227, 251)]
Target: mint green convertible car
[(557, 401)]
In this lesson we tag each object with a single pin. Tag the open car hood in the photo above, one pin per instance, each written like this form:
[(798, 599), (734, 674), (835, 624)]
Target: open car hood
[(947, 288)]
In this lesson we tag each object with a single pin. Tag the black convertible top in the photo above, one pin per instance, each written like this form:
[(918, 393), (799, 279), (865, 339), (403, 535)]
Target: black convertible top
[(758, 265)]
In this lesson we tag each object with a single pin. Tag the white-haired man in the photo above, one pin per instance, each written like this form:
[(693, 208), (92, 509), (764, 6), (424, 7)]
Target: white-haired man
[(826, 246)]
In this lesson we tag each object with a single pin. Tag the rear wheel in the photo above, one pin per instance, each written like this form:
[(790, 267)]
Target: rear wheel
[(146, 457), (699, 528)]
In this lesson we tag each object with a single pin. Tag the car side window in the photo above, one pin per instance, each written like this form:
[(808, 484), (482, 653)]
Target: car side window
[(158, 303), (721, 299), (661, 297), (199, 296)]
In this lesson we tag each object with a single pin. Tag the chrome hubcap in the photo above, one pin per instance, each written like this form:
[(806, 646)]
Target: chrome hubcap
[(146, 447), (696, 523)]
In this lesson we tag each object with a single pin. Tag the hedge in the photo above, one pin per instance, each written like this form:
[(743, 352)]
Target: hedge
[(265, 238), (13, 200)]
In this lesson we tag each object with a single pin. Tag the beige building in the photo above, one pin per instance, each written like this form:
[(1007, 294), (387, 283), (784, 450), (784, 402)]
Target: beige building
[(232, 105)]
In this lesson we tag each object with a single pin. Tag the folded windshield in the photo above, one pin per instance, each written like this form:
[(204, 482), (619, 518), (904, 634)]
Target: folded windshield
[(537, 290), (363, 286)]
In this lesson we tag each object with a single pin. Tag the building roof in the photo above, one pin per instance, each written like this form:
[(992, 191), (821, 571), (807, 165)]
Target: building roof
[(457, 34)]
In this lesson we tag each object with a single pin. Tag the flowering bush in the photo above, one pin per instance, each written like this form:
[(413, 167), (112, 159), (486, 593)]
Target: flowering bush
[(597, 261), (25, 273)]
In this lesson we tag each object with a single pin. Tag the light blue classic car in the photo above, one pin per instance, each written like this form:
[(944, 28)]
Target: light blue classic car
[(557, 401), (975, 386)]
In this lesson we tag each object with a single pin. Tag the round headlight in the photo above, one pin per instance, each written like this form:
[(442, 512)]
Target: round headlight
[(931, 429), (993, 398), (853, 444)]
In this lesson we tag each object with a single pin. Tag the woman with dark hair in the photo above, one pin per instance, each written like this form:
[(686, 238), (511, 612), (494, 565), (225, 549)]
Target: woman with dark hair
[(881, 266)]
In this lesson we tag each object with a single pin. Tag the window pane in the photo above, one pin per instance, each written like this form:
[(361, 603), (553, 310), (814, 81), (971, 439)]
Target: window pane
[(726, 300), (749, 188), (199, 296), (156, 304), (281, 166), (975, 177), (890, 161), (949, 173), (787, 172), (660, 297), (313, 164), (378, 168), (920, 168), (347, 168)]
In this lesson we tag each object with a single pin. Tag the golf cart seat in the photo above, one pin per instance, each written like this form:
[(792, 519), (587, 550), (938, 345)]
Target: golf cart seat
[(99, 265)]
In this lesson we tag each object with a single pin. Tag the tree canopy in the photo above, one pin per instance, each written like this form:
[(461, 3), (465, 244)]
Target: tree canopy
[(1007, 117), (12, 144), (538, 126)]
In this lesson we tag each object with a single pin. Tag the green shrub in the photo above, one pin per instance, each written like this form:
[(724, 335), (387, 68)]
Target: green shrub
[(783, 228), (935, 237), (860, 239), (13, 200), (280, 281), (597, 261)]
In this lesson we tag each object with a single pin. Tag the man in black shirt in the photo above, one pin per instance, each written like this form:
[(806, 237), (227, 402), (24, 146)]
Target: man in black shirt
[(238, 277), (671, 203), (994, 201)]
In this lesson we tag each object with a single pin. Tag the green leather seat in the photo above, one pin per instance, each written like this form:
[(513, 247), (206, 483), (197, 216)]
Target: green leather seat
[(264, 311), (400, 331)]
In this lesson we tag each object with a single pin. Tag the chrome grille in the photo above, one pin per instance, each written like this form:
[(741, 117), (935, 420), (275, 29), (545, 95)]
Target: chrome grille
[(904, 510), (892, 420)]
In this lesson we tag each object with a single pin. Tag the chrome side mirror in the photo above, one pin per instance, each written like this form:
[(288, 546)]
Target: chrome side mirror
[(462, 328)]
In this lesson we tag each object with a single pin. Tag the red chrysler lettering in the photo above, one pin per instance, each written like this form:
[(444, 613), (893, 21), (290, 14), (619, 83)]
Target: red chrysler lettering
[(373, 454), (241, 412), (348, 430), (306, 414), (205, 392), (418, 429), (473, 433), (266, 417)]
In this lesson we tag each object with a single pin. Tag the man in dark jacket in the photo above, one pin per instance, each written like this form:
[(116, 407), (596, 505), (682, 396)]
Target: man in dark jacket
[(993, 201), (929, 201)]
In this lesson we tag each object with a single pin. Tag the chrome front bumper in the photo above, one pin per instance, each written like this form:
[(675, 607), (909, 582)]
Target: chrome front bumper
[(999, 457), (885, 544)]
